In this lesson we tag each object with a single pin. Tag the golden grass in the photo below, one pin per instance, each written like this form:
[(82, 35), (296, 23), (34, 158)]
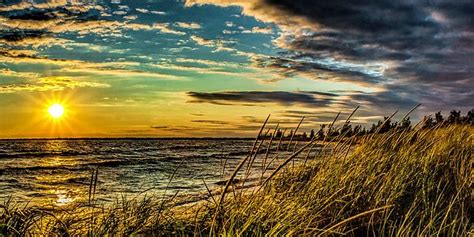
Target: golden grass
[(400, 183), (395, 184)]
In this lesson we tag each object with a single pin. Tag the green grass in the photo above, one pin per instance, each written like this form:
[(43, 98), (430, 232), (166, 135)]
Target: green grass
[(401, 183)]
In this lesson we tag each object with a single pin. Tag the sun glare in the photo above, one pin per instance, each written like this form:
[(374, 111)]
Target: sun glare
[(56, 110)]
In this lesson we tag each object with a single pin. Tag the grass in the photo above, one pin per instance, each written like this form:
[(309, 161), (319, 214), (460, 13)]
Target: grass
[(402, 183), (395, 184)]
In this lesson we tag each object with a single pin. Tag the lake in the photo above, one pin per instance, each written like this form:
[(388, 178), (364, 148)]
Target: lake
[(59, 171)]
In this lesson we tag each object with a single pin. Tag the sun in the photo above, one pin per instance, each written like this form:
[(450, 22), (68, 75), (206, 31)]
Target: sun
[(56, 110)]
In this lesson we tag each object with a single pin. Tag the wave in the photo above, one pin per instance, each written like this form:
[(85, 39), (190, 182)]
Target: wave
[(43, 154)]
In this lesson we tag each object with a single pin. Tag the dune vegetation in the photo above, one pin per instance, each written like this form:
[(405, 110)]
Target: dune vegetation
[(415, 181)]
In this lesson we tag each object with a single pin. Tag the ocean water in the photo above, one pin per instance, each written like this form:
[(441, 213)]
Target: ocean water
[(59, 171)]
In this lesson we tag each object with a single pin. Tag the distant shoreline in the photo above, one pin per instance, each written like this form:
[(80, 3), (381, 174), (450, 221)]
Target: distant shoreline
[(141, 138), (130, 138)]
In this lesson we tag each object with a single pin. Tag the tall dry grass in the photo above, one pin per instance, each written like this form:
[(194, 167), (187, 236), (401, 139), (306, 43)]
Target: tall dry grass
[(394, 184), (401, 183)]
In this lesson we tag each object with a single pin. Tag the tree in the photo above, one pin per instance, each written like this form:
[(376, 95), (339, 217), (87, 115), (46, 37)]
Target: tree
[(374, 126), (439, 118), (290, 134), (311, 134), (334, 133), (454, 117), (428, 122), (384, 126), (405, 124), (357, 130), (304, 136), (321, 132), (470, 117), (346, 129), (279, 133)]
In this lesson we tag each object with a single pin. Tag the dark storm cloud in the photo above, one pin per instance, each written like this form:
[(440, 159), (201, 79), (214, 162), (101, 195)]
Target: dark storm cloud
[(362, 16), (385, 100), (429, 44), (307, 98)]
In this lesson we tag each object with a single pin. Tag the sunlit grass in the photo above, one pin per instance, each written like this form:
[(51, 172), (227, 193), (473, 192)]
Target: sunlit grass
[(401, 183), (398, 183)]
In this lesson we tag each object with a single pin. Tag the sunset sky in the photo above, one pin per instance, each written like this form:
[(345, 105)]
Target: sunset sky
[(218, 68)]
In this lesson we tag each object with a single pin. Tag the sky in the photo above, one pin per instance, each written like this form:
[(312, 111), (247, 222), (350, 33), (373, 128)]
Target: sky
[(217, 68)]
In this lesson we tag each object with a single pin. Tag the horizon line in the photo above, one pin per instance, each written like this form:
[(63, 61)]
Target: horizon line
[(120, 138)]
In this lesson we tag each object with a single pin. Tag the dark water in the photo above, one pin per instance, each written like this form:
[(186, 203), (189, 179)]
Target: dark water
[(59, 171)]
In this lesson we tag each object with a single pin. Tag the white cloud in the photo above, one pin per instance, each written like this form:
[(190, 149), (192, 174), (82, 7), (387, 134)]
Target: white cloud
[(219, 45), (188, 25)]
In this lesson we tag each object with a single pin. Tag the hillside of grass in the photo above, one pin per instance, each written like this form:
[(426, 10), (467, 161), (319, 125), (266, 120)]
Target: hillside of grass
[(412, 182)]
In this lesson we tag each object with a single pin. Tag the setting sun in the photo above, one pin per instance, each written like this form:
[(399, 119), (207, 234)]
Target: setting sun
[(56, 110)]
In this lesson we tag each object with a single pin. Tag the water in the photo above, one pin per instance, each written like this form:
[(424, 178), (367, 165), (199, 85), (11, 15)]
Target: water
[(59, 171)]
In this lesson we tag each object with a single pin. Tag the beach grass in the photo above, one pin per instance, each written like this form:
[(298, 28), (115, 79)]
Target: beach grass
[(411, 182)]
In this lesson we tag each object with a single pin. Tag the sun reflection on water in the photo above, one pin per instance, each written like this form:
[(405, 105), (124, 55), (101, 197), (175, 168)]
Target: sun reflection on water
[(62, 187), (63, 198), (56, 145)]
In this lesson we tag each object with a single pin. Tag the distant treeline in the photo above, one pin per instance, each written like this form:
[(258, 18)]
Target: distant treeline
[(381, 126)]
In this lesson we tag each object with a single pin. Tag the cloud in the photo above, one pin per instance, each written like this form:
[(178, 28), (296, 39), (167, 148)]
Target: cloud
[(164, 27), (259, 30), (202, 41), (423, 48), (67, 82), (188, 25), (388, 100), (310, 98), (364, 73), (219, 45), (18, 53), (202, 70), (103, 70), (159, 127), (253, 30), (263, 10), (209, 121), (50, 84), (10, 73), (43, 24), (14, 35), (41, 20), (318, 106), (206, 62), (84, 68)]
